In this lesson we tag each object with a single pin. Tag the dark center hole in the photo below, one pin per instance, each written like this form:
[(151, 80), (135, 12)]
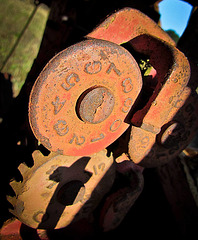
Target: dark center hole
[(71, 193)]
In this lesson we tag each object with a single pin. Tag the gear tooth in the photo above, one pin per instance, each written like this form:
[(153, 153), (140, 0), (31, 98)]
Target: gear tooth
[(13, 212), (15, 186), (52, 155), (12, 200), (105, 151), (37, 155), (23, 168), (40, 159)]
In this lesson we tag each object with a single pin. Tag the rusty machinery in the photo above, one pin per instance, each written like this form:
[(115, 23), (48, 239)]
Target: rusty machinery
[(85, 98)]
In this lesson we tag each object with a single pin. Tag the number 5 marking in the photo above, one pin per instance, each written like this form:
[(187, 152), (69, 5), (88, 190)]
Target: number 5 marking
[(68, 79), (77, 141)]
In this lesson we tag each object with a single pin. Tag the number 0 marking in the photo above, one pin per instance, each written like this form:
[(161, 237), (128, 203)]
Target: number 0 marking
[(115, 125)]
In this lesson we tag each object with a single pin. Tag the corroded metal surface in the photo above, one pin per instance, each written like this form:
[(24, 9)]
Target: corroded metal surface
[(165, 107), (96, 105), (59, 189), (97, 73), (87, 123), (171, 94), (173, 74), (178, 138), (79, 105), (120, 202), (128, 24), (11, 230)]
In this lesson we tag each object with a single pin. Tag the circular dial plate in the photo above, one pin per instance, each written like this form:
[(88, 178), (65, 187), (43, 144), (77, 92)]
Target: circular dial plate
[(54, 100)]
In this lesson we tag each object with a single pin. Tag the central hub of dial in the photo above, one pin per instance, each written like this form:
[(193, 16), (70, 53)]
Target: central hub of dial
[(95, 105)]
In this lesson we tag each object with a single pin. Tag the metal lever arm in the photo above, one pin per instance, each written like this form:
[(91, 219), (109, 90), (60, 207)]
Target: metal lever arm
[(127, 24)]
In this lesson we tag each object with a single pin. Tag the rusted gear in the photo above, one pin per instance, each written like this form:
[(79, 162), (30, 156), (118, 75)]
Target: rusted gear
[(80, 100), (60, 189)]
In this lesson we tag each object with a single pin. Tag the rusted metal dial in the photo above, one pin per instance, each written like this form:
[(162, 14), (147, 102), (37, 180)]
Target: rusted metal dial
[(80, 101), (60, 189)]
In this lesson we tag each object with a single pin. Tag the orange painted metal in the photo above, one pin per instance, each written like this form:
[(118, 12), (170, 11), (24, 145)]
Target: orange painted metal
[(154, 149), (128, 24), (161, 115), (76, 101), (164, 116), (80, 104), (173, 74), (11, 230), (80, 101)]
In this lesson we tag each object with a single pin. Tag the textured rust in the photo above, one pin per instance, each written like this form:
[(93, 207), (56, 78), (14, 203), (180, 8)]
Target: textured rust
[(170, 96), (119, 203), (128, 24), (170, 134), (11, 230), (164, 106), (94, 82), (59, 189), (96, 105)]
